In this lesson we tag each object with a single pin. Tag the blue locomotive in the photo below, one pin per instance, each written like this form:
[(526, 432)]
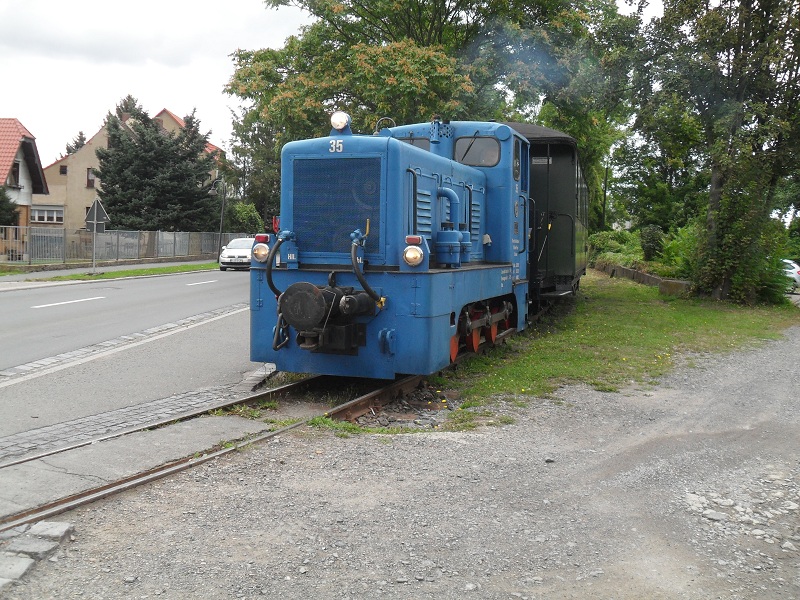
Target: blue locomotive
[(398, 250)]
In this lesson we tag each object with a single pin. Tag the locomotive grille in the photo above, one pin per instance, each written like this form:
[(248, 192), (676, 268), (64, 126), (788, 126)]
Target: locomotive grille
[(332, 198)]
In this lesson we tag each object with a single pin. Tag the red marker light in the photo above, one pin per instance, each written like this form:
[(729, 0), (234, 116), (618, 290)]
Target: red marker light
[(262, 238), (414, 239)]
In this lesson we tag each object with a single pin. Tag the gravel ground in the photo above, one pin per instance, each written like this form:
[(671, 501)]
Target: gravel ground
[(686, 490)]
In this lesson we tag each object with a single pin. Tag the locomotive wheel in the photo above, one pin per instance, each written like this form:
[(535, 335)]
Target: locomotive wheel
[(453, 348), (474, 340)]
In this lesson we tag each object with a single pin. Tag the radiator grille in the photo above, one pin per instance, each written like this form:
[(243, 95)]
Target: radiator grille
[(332, 198)]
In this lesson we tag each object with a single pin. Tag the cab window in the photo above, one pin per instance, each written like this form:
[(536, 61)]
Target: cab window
[(477, 151), (419, 142)]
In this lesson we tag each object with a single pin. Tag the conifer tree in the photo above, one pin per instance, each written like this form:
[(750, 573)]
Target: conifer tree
[(8, 210), (152, 179)]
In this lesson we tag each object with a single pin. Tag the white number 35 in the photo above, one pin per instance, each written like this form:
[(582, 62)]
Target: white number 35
[(336, 146)]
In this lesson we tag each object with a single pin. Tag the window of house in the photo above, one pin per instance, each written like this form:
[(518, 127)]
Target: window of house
[(13, 176), (89, 178), (47, 215), (62, 170)]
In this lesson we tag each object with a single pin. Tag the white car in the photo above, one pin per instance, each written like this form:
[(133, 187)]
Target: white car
[(236, 255), (792, 271)]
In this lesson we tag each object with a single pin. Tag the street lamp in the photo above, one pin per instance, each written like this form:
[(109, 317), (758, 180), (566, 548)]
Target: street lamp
[(213, 192)]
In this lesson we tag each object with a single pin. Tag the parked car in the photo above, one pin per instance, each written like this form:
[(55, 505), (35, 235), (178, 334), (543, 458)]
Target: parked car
[(236, 255), (792, 271)]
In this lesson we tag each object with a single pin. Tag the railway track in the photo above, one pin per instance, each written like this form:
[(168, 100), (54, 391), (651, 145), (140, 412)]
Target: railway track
[(370, 401), (375, 397)]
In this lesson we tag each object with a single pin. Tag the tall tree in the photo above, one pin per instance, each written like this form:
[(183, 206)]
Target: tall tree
[(129, 106), (481, 59), (736, 65), (661, 171), (152, 179), (294, 89), (76, 144), (252, 166)]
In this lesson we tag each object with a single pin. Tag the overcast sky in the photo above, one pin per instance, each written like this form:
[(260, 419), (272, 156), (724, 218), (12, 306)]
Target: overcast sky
[(65, 65)]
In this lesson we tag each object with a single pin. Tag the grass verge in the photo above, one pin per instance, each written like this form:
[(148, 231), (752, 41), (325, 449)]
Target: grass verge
[(615, 332), (134, 272)]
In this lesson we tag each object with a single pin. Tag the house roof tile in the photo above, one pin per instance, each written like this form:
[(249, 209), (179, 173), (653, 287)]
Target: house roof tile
[(12, 134)]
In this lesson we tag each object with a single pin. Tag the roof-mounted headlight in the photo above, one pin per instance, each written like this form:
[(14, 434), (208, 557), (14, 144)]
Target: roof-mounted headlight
[(340, 120)]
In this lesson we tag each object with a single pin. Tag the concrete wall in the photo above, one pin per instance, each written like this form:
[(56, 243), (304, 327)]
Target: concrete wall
[(669, 287)]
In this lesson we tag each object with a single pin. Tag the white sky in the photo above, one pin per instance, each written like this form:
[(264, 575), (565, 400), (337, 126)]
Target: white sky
[(65, 65)]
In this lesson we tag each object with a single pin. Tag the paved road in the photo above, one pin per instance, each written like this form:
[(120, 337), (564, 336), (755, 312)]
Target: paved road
[(195, 360), (42, 321), (73, 350)]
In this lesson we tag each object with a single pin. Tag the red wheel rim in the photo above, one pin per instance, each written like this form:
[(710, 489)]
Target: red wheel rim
[(490, 333), (453, 348)]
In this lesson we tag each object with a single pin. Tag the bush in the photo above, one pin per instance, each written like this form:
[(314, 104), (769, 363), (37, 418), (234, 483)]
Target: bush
[(652, 240), (610, 242), (680, 250), (243, 216)]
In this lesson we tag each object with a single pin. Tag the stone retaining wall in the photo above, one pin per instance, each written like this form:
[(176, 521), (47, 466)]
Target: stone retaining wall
[(669, 287)]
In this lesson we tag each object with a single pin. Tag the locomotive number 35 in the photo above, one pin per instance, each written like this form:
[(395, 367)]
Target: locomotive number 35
[(336, 146)]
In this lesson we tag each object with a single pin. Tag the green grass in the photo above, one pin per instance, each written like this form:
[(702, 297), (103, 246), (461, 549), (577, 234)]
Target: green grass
[(616, 332), (346, 429), (134, 272)]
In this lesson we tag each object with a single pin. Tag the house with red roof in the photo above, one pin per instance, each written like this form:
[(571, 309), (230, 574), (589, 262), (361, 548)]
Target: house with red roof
[(20, 167), (72, 181)]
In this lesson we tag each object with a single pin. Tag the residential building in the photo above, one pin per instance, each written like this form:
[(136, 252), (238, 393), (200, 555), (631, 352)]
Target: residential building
[(20, 167), (22, 176), (73, 184)]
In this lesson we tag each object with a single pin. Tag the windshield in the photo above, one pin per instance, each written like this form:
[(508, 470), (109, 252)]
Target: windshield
[(240, 243), (477, 151)]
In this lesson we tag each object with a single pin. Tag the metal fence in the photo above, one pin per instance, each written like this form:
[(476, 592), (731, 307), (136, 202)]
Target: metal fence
[(39, 245)]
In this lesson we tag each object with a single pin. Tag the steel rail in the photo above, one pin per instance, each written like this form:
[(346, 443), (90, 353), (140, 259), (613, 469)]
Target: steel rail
[(289, 388), (96, 493), (347, 411)]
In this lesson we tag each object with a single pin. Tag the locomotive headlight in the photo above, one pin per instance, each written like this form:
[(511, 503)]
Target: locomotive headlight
[(260, 252), (413, 255), (340, 120)]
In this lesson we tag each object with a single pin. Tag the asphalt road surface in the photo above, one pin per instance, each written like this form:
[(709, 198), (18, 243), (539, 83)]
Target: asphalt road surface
[(128, 342), (40, 322)]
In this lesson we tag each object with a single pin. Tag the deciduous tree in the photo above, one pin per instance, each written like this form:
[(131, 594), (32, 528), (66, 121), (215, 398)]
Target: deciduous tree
[(735, 64), (477, 59)]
